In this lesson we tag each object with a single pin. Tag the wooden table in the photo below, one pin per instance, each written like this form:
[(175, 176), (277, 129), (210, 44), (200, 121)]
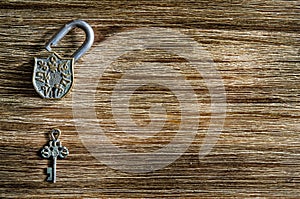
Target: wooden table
[(255, 48)]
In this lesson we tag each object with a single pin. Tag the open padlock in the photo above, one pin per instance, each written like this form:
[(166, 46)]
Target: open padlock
[(53, 77)]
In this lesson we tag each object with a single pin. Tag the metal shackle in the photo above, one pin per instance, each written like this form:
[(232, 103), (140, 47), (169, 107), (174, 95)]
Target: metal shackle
[(89, 37)]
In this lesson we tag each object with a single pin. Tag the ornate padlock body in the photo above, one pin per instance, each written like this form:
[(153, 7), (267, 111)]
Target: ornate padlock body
[(53, 76)]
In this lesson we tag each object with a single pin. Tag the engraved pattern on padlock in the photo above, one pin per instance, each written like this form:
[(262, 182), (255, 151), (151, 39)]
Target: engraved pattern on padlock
[(53, 76)]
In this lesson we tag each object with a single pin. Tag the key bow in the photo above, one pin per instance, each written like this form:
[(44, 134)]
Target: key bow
[(55, 148)]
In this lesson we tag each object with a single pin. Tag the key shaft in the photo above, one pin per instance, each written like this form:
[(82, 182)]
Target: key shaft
[(54, 170)]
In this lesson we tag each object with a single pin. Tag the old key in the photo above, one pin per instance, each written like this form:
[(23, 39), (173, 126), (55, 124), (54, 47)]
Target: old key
[(54, 150)]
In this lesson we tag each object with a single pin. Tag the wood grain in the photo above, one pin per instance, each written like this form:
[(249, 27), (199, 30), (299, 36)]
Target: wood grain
[(255, 46)]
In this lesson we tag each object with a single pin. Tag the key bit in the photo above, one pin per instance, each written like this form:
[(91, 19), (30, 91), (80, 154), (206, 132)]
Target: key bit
[(50, 174)]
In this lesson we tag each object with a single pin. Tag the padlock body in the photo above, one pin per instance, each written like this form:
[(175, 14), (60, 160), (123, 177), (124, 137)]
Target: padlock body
[(53, 77)]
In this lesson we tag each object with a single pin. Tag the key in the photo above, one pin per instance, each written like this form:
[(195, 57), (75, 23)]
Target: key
[(54, 150)]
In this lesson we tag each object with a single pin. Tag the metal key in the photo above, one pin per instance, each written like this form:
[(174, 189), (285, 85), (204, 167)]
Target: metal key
[(54, 150)]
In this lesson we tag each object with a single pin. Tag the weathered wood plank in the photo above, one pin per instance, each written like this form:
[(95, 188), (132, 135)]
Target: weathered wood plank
[(255, 46)]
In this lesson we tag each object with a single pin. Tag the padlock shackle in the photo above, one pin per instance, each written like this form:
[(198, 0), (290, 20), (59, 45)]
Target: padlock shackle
[(89, 37)]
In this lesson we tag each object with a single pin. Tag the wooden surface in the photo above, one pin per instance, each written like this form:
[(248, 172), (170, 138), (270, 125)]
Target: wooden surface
[(255, 45)]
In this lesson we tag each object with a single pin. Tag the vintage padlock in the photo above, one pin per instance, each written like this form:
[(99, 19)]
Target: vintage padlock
[(53, 77)]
